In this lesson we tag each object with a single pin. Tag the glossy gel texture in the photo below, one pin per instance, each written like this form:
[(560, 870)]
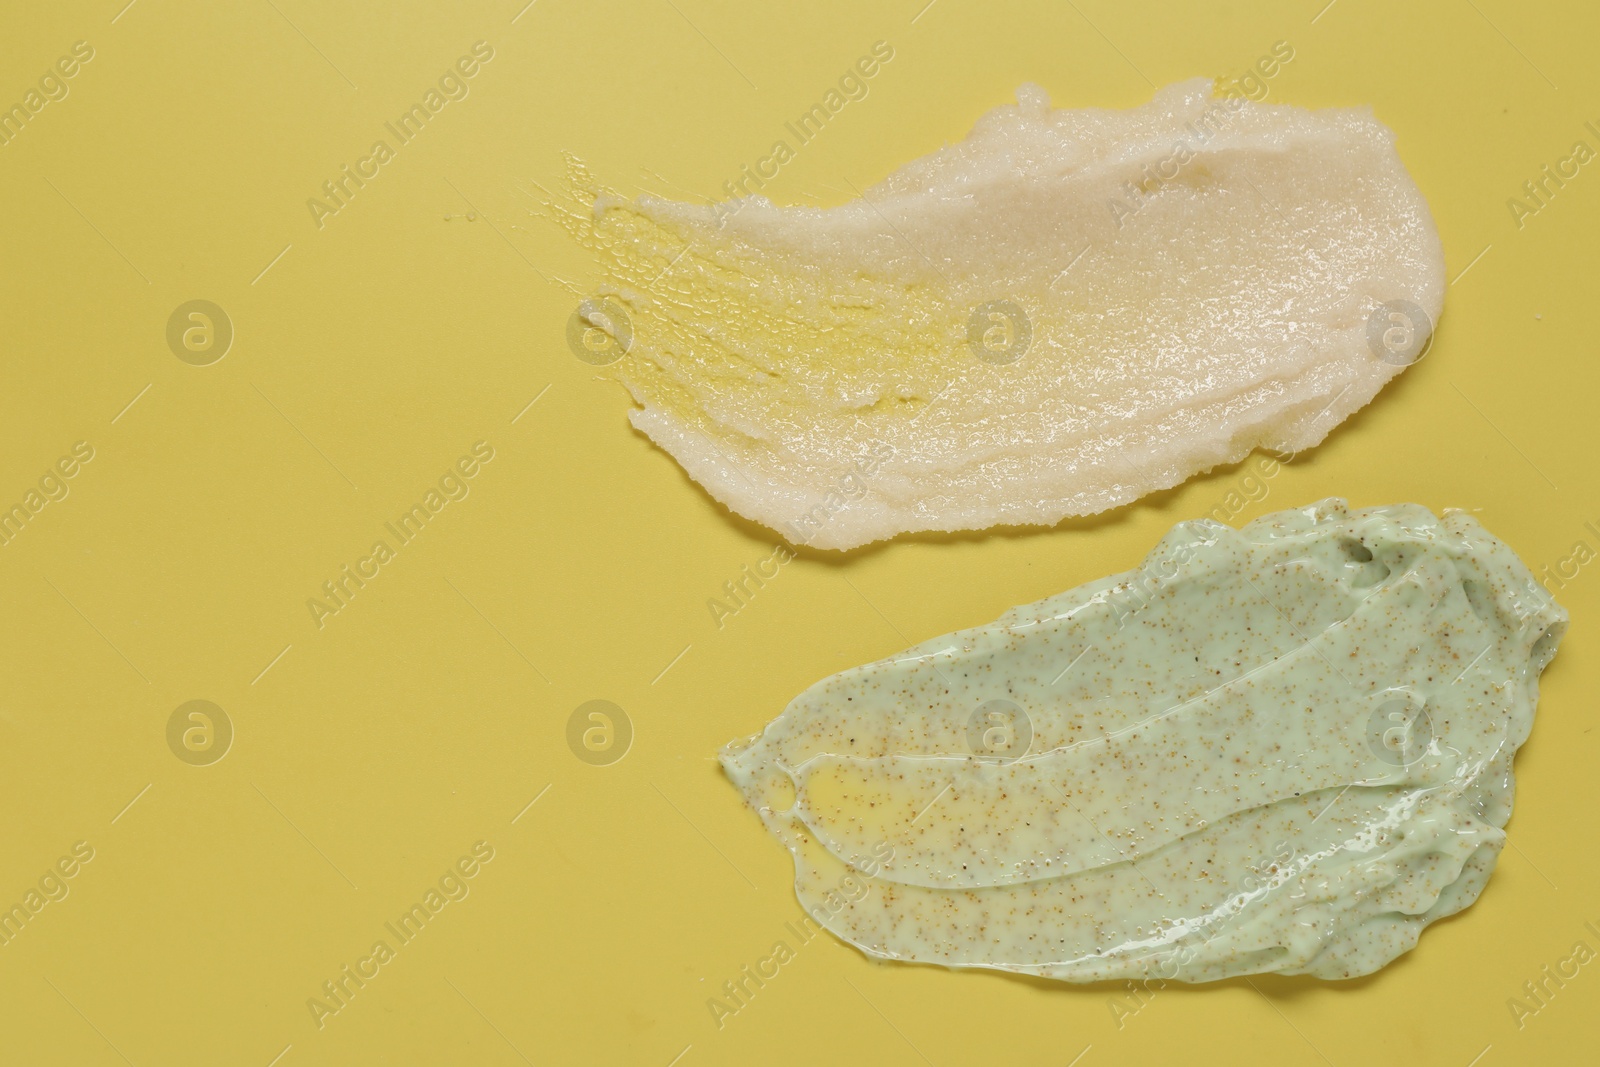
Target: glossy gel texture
[(1284, 748), (1057, 315)]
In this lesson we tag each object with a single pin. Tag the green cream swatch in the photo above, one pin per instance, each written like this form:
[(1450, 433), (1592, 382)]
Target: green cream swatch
[(1284, 748)]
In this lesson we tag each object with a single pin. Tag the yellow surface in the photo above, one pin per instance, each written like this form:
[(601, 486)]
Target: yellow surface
[(369, 755)]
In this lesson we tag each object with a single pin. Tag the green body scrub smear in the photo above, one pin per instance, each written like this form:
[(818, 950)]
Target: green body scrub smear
[(1286, 748)]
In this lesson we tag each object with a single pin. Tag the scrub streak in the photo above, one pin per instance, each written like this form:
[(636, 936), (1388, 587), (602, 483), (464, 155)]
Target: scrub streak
[(1283, 748)]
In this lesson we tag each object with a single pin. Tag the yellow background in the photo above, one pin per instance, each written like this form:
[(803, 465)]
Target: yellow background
[(371, 753)]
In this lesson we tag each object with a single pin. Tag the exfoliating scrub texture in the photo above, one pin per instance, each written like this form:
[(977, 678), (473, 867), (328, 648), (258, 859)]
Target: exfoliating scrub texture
[(1063, 312), (1286, 748)]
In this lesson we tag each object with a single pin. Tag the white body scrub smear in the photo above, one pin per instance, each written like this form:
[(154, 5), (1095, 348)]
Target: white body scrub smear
[(1059, 314), (1283, 748)]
